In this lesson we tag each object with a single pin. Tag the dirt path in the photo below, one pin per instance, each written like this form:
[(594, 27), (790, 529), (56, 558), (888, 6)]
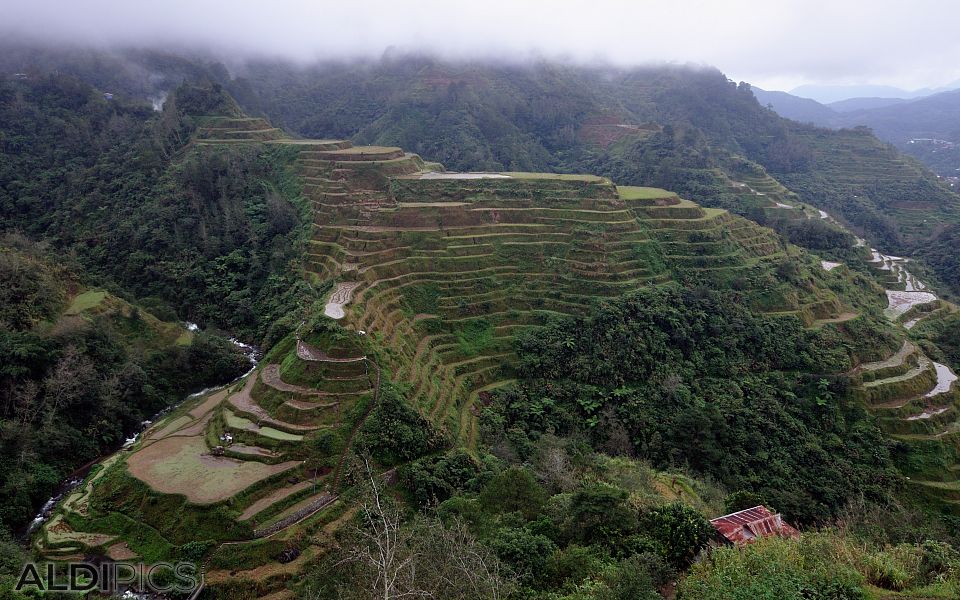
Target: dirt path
[(841, 318), (272, 499)]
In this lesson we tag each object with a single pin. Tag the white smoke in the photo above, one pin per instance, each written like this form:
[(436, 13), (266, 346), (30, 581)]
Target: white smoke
[(158, 100)]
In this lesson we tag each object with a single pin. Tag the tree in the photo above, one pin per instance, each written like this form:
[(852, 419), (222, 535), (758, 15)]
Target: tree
[(387, 559), (683, 531), (514, 490), (599, 514)]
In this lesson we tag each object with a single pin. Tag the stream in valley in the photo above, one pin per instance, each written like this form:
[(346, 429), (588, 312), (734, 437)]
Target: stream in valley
[(76, 478)]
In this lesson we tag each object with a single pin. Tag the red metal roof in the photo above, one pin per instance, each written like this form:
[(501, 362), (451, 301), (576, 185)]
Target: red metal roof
[(744, 526)]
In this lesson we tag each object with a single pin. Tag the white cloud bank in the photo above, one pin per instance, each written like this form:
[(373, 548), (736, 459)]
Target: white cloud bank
[(776, 44)]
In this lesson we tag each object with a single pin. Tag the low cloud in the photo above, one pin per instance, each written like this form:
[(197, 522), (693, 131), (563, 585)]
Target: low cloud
[(774, 44)]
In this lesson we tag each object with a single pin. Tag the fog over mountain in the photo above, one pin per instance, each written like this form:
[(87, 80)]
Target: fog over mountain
[(770, 44), (835, 94)]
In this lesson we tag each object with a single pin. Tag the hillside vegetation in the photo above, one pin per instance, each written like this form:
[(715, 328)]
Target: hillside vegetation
[(205, 237), (527, 384), (81, 370), (664, 127), (472, 324)]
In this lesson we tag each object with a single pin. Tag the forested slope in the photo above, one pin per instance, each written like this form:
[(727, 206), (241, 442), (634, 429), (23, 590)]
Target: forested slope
[(138, 233), (81, 370), (670, 127), (556, 379), (203, 237)]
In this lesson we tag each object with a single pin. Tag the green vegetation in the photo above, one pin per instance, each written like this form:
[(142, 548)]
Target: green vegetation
[(825, 565), (691, 131), (538, 386), (86, 301), (643, 373), (201, 235), (181, 466), (569, 524), (394, 432), (75, 383)]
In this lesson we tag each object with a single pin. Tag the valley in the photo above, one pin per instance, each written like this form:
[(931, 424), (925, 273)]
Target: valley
[(539, 382), (430, 277)]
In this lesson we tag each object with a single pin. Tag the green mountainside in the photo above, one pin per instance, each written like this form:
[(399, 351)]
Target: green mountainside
[(442, 288), (657, 126), (540, 384), (82, 369)]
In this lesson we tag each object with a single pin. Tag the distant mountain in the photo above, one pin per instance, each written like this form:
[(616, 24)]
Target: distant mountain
[(799, 109), (855, 104), (936, 116), (928, 129), (830, 94)]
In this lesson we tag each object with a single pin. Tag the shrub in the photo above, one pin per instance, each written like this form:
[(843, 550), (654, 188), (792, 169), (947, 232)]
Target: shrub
[(637, 578), (527, 553), (433, 479), (773, 569), (514, 490), (599, 514), (884, 570), (395, 433), (682, 531)]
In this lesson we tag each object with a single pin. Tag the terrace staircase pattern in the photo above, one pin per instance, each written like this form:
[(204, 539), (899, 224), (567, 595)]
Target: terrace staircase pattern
[(448, 269), (444, 272), (915, 401), (493, 257)]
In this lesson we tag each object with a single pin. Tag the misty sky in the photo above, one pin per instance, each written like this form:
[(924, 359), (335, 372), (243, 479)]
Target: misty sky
[(776, 44)]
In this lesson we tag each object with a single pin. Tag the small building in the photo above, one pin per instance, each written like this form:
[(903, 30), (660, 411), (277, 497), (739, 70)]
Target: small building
[(745, 526), (107, 96)]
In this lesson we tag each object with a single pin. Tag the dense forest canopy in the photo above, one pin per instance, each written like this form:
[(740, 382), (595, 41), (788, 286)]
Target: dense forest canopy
[(688, 378), (75, 381)]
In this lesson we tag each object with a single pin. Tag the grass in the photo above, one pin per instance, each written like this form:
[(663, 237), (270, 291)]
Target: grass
[(236, 422), (184, 466), (276, 434), (185, 339), (629, 192), (556, 176), (365, 150), (145, 541), (86, 301)]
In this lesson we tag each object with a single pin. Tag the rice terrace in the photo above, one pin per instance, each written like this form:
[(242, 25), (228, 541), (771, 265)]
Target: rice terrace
[(442, 317), (430, 277)]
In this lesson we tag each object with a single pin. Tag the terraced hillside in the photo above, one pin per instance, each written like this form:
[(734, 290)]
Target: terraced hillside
[(446, 269), (431, 276), (914, 397), (873, 187)]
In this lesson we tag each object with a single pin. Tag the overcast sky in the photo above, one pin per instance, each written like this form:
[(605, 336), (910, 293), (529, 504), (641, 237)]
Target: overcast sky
[(776, 44)]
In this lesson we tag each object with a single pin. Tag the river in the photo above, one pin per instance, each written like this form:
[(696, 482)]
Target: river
[(76, 478)]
